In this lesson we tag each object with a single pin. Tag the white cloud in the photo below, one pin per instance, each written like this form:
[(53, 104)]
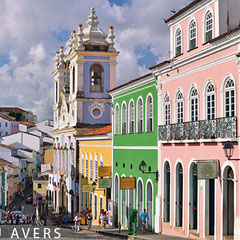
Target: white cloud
[(27, 36)]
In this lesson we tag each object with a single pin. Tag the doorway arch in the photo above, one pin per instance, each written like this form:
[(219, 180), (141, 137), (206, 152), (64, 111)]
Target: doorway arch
[(228, 201), (179, 196), (166, 197), (139, 199), (193, 197), (116, 199), (150, 205)]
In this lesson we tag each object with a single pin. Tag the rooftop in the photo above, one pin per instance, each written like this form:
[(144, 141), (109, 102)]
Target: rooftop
[(132, 81), (7, 146), (29, 124), (6, 117), (100, 131), (12, 109), (182, 10)]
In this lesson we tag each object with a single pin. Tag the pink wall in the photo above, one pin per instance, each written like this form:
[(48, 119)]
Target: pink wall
[(14, 127)]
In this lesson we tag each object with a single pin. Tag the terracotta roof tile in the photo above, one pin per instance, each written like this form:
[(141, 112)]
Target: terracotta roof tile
[(6, 163), (29, 124), (160, 64), (7, 146), (12, 109), (6, 117), (100, 131)]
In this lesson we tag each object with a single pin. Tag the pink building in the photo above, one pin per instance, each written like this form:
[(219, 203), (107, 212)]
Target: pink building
[(198, 91)]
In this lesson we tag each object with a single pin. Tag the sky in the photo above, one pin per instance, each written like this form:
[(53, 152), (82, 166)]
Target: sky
[(32, 31)]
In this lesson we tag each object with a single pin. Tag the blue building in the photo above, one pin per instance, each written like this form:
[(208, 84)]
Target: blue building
[(84, 73)]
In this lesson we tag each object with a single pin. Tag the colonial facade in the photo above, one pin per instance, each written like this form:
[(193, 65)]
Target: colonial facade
[(135, 130), (198, 99), (84, 73), (95, 150)]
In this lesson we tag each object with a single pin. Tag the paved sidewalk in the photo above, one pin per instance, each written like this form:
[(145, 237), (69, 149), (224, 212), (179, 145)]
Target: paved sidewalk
[(124, 233)]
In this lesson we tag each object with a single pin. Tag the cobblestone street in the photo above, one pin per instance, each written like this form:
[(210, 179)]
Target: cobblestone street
[(23, 232)]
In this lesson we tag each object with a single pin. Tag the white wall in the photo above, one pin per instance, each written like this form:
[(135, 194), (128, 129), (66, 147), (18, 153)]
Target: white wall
[(3, 129)]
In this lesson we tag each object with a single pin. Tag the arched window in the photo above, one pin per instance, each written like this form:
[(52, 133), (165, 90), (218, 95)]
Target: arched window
[(178, 42), (208, 26), (179, 107), (192, 35), (73, 79), (167, 190), (149, 114), (117, 119), (194, 105), (124, 119), (140, 115), (131, 117), (96, 78), (229, 95), (210, 102), (167, 109)]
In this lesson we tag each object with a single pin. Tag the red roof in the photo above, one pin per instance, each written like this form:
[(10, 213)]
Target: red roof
[(99, 131), (7, 146), (29, 124), (6, 117)]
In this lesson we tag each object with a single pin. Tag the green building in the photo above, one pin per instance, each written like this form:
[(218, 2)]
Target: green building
[(135, 120), (2, 186)]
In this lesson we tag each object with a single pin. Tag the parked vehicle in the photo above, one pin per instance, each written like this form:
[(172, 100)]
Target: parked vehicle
[(29, 200)]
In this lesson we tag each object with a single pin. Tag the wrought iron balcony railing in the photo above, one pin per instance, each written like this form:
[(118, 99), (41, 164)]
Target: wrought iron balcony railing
[(225, 127)]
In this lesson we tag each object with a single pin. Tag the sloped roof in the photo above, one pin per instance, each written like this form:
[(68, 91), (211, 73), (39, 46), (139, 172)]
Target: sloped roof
[(12, 109), (6, 117), (7, 146), (6, 163), (29, 124), (100, 131)]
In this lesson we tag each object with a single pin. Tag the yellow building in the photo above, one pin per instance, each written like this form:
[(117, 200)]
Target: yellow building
[(95, 150), (48, 155), (40, 188)]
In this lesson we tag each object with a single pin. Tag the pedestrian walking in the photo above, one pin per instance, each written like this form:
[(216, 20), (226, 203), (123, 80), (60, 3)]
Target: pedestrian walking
[(77, 221), (59, 220), (89, 219), (103, 220), (143, 219), (34, 219)]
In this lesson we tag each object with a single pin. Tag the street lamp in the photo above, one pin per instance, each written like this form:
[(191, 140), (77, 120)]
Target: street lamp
[(142, 168), (228, 150)]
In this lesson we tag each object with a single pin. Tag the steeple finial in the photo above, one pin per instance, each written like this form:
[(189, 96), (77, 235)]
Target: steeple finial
[(80, 35), (61, 58), (92, 18), (111, 38)]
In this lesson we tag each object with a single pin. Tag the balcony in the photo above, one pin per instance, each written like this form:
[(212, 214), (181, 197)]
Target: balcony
[(225, 127)]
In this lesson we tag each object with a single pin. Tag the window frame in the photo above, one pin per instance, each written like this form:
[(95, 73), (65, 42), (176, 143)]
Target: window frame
[(176, 42), (124, 121), (149, 113), (166, 116), (117, 119), (204, 25), (190, 29), (229, 89), (131, 117), (210, 94), (195, 107), (102, 78), (177, 112), (141, 117)]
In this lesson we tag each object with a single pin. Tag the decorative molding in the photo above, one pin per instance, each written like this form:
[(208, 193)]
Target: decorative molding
[(99, 106)]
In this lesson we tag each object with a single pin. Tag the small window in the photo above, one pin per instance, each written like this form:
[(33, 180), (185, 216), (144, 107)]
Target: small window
[(208, 27), (167, 109), (178, 42), (96, 78), (194, 105), (229, 94), (149, 114), (210, 102), (192, 35), (179, 107), (39, 186), (140, 115), (6, 124), (131, 117), (124, 119)]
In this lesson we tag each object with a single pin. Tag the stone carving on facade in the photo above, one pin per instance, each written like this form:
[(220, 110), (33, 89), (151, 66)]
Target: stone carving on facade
[(96, 110)]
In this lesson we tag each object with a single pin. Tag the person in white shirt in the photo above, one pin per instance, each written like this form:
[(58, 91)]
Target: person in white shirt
[(77, 221)]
